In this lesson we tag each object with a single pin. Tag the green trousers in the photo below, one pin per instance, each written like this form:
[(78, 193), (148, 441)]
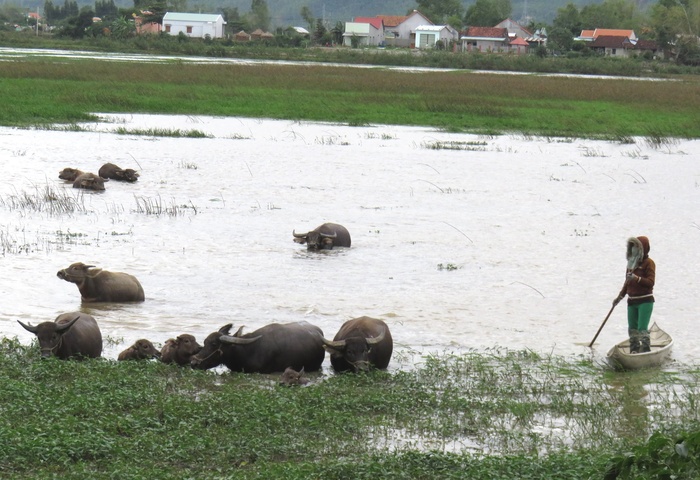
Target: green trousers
[(639, 315)]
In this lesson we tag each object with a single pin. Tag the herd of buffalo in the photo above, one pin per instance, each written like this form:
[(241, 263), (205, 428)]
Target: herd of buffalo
[(291, 349)]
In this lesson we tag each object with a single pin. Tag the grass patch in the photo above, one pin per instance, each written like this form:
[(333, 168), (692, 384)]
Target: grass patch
[(476, 415), (162, 132), (550, 106)]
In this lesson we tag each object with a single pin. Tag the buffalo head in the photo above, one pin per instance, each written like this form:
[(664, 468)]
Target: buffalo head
[(291, 377), (212, 353), (141, 350), (89, 181), (180, 350), (69, 174)]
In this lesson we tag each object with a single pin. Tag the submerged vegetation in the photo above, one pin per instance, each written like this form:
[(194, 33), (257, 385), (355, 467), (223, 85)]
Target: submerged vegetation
[(73, 91), (473, 415)]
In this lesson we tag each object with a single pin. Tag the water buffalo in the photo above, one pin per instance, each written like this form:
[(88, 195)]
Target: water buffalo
[(269, 349), (141, 350), (113, 172), (71, 335), (179, 350), (360, 344), (324, 237), (70, 174), (97, 285), (291, 377), (89, 181)]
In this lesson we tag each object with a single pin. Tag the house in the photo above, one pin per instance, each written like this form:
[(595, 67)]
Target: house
[(145, 27), (539, 37), (612, 45), (195, 25), (519, 45), (590, 35), (428, 35), (485, 39), (400, 30), (367, 32)]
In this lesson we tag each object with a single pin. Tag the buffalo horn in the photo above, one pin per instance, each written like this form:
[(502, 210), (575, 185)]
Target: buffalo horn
[(62, 327), (377, 339), (335, 234), (238, 340), (334, 343), (299, 235), (28, 328)]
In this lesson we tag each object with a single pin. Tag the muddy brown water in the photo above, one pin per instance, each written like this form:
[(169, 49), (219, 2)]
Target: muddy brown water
[(459, 241)]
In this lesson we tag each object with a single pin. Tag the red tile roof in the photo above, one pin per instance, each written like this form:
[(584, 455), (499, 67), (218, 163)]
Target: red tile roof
[(611, 41), (374, 21), (392, 20), (487, 32)]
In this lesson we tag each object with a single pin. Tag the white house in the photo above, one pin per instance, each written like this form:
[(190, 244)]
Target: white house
[(367, 32), (428, 35), (195, 25), (400, 30)]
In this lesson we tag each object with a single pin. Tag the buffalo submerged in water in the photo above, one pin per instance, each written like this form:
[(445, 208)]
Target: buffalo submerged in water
[(324, 237), (97, 285)]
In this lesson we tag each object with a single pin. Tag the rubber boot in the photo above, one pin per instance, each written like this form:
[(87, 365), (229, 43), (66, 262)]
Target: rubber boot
[(644, 341), (634, 340)]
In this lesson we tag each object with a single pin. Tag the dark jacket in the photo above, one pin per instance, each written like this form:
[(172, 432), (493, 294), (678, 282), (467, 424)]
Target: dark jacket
[(640, 290)]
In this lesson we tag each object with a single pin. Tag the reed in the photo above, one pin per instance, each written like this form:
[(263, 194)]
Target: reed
[(46, 199)]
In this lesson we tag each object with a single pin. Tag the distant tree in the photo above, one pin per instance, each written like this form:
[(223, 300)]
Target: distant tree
[(439, 10), (676, 26), (77, 25), (320, 31), (487, 13), (568, 18), (106, 9), (234, 21), (611, 14), (122, 28), (156, 11), (259, 14), (308, 17), (11, 14), (337, 32)]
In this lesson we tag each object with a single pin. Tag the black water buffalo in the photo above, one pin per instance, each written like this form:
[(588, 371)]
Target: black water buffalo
[(291, 377), (70, 174), (360, 344), (269, 349), (71, 335), (89, 181), (324, 237), (180, 350), (113, 172), (97, 285), (141, 350)]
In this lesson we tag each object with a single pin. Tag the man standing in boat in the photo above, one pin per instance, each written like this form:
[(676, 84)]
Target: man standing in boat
[(639, 288)]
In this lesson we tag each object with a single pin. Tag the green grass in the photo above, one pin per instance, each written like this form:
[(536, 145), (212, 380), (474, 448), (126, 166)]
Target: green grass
[(45, 92), (500, 414)]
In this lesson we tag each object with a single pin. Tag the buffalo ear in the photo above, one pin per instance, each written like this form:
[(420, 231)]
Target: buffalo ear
[(226, 328), (28, 328), (63, 327)]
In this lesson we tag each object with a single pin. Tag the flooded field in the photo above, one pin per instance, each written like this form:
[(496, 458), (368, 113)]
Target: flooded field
[(458, 241)]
